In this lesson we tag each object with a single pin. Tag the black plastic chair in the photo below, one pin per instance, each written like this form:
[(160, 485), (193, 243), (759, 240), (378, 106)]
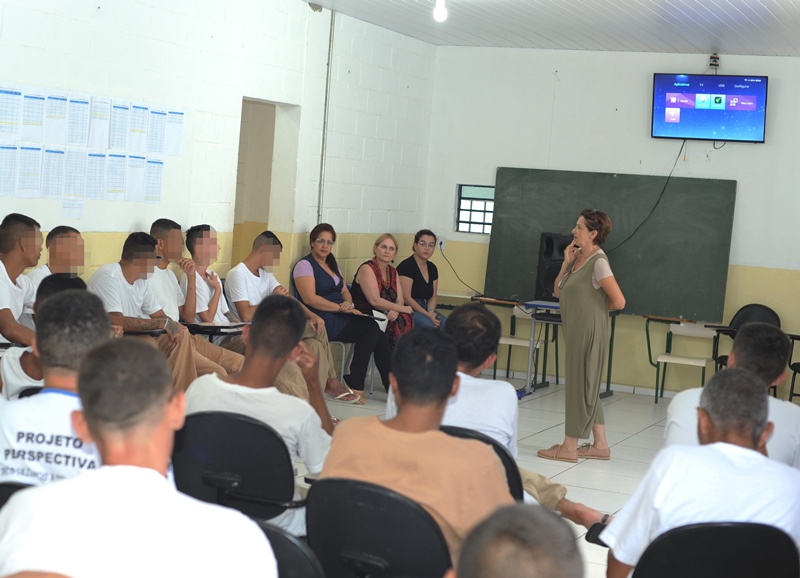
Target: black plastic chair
[(234, 461), (720, 550), (295, 559), (360, 529), (8, 489), (512, 469), (754, 312)]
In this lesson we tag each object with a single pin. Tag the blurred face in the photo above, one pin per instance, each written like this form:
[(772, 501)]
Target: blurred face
[(144, 263), (172, 246), (32, 246), (67, 253), (323, 245), (269, 256), (583, 236), (385, 251), (425, 247), (206, 249)]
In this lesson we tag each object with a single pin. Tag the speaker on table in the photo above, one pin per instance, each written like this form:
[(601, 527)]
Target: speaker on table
[(551, 256)]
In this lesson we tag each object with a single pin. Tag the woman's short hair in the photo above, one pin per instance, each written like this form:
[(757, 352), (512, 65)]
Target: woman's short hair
[(597, 221), (382, 238)]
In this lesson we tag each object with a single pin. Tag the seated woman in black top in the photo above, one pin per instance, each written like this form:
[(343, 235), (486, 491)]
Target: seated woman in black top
[(321, 288), (375, 287), (419, 279)]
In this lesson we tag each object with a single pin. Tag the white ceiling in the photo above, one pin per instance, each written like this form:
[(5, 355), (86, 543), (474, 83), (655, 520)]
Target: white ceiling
[(752, 27)]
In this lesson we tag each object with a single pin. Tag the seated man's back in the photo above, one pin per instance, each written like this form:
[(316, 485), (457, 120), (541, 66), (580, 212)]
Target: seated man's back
[(763, 349), (272, 339), (459, 482), (12, 372), (37, 441), (723, 480)]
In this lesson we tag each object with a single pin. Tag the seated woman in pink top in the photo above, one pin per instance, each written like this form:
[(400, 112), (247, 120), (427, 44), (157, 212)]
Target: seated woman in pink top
[(376, 286)]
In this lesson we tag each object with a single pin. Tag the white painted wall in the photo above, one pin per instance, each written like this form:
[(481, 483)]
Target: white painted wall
[(590, 111), (379, 123)]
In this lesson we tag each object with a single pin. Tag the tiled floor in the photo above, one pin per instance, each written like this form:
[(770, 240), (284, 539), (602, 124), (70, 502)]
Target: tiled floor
[(635, 431)]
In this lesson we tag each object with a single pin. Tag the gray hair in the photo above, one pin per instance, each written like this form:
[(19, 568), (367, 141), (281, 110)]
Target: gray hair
[(736, 401), (521, 542), (68, 325)]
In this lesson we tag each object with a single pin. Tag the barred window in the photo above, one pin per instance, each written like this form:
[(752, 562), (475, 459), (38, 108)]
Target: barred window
[(475, 209)]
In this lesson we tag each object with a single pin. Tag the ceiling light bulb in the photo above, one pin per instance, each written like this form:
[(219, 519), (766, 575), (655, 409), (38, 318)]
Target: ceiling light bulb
[(440, 11)]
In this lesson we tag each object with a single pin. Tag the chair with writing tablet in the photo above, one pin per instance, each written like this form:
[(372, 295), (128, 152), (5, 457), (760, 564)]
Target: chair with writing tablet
[(531, 343), (680, 329)]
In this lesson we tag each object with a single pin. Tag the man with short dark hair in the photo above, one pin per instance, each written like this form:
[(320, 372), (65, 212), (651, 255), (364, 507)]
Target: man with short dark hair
[(520, 542), (20, 248), (208, 358), (249, 282), (20, 367), (763, 349), (37, 442), (725, 479), (65, 254), (491, 406), (130, 304), (458, 481), (272, 339), (126, 510)]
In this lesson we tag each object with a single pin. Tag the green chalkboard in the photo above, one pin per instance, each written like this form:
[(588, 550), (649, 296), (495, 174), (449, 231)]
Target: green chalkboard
[(675, 265)]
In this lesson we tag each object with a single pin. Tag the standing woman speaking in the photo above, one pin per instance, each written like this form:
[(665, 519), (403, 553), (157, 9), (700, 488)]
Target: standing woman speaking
[(587, 290)]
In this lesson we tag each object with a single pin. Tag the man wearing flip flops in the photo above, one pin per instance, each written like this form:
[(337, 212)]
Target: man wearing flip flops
[(251, 281)]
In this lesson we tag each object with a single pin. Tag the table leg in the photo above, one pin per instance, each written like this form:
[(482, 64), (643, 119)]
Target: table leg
[(608, 392)]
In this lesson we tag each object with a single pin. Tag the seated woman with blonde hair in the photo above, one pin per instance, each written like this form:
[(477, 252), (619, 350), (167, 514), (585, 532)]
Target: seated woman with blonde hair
[(376, 286)]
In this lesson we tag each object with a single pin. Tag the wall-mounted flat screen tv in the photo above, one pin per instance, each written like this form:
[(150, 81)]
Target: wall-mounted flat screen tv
[(709, 107)]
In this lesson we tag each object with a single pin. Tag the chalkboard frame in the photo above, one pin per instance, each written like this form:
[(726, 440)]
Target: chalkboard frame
[(675, 265)]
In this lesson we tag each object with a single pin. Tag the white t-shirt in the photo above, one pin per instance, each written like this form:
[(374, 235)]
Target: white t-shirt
[(37, 442), (242, 285), (128, 522), (204, 294), (294, 419), (14, 378), (711, 483), (119, 296), (164, 286), (15, 296), (485, 405), (783, 446)]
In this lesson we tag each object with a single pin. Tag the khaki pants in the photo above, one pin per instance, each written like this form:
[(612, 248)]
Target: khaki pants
[(547, 493), (319, 344), (210, 358)]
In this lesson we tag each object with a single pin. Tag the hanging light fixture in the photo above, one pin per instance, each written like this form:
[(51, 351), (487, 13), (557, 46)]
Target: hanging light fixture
[(440, 11)]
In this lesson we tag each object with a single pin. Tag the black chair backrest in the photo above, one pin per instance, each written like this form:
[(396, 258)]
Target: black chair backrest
[(512, 469), (295, 558), (720, 550), (755, 312), (29, 392), (235, 461), (360, 529), (8, 489)]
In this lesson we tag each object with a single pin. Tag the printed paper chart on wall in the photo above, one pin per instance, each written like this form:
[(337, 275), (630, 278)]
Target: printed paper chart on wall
[(73, 146)]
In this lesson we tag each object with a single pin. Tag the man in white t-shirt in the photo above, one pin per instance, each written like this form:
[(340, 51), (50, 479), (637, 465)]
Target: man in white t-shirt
[(251, 281), (763, 349), (208, 357), (131, 304), (134, 523), (20, 367), (491, 406), (20, 248), (272, 339), (725, 479), (37, 442)]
